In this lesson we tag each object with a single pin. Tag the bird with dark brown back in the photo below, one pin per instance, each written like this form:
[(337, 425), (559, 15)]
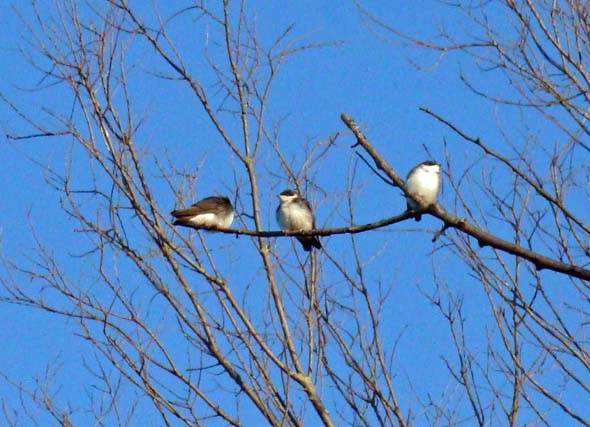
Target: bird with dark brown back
[(211, 211), (294, 214)]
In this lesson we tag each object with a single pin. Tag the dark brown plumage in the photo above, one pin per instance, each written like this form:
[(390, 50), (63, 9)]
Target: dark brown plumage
[(214, 211)]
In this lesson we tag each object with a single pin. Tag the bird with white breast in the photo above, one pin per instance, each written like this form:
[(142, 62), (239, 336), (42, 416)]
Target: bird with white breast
[(422, 184), (294, 214), (214, 211)]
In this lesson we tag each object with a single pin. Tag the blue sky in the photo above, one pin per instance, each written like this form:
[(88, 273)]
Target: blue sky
[(370, 77)]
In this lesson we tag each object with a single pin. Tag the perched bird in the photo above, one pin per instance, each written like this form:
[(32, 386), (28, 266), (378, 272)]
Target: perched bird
[(423, 184), (209, 212), (294, 214)]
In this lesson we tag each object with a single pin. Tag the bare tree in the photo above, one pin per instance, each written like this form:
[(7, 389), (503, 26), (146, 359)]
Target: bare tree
[(535, 367), (189, 331)]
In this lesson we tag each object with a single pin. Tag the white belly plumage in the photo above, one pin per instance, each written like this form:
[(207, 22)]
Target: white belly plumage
[(212, 220), (293, 218), (424, 186)]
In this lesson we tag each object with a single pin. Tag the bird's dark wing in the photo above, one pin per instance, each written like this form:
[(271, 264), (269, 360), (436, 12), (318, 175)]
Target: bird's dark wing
[(192, 211), (214, 205), (308, 206), (306, 203)]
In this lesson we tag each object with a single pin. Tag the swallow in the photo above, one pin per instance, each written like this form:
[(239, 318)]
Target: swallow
[(294, 214), (423, 184), (208, 212)]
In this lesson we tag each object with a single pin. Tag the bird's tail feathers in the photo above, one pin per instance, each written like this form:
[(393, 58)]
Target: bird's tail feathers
[(417, 215), (308, 242)]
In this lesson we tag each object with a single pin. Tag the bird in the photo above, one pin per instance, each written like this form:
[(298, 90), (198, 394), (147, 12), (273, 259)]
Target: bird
[(214, 211), (423, 183), (294, 214)]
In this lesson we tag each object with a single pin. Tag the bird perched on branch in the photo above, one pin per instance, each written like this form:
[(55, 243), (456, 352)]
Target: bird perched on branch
[(294, 214), (209, 212), (423, 184)]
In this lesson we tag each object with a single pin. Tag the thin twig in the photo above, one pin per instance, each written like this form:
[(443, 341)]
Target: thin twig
[(319, 232)]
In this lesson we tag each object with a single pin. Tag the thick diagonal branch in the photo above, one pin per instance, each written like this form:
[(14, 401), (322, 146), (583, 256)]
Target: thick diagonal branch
[(451, 221)]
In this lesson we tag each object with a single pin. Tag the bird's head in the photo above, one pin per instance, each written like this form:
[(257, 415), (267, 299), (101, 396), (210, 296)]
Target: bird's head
[(288, 195), (430, 167)]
